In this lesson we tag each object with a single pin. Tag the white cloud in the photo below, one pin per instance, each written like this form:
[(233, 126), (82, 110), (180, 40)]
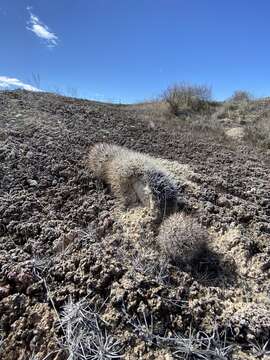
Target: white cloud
[(12, 83), (41, 30)]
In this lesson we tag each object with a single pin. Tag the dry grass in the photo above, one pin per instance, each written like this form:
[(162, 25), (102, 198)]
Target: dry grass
[(192, 346), (251, 116), (152, 112), (85, 336), (199, 345), (260, 350), (258, 133)]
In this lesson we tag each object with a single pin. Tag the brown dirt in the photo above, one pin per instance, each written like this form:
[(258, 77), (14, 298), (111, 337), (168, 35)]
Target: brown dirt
[(61, 238)]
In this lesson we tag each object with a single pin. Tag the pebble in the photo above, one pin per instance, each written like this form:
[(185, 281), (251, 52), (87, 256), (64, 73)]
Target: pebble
[(32, 182)]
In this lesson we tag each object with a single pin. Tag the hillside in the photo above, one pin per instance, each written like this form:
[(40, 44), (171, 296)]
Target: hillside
[(64, 253)]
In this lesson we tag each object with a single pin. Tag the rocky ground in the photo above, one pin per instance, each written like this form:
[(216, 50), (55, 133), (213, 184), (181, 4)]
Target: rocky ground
[(78, 282)]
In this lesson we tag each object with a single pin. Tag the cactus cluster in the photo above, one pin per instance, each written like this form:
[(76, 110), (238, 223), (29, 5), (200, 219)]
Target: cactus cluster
[(137, 179)]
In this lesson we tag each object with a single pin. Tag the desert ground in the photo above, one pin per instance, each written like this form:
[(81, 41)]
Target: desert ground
[(82, 279)]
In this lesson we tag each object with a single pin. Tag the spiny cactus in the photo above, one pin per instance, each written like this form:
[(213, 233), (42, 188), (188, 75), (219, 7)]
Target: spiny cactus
[(134, 178), (99, 156), (125, 175), (164, 191), (181, 238)]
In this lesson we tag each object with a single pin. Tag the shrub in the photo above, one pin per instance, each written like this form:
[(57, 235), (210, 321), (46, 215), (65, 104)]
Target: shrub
[(182, 97), (241, 96), (181, 238)]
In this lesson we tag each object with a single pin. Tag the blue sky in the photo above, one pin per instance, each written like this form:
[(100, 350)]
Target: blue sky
[(131, 50)]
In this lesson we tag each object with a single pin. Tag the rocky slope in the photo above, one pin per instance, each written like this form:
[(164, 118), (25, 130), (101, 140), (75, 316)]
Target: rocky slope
[(72, 272)]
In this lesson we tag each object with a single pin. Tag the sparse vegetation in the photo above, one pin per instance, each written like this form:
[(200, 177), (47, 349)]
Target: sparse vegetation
[(84, 338), (184, 97), (199, 345), (143, 326), (152, 267), (195, 345), (260, 350), (258, 133), (49, 197)]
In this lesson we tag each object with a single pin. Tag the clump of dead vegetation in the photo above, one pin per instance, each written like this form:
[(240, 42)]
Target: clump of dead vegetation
[(241, 96), (199, 345), (84, 334), (190, 346), (258, 133)]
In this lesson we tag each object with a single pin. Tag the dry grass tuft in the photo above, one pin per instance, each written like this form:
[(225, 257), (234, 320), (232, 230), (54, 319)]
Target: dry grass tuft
[(85, 336), (199, 345), (258, 133)]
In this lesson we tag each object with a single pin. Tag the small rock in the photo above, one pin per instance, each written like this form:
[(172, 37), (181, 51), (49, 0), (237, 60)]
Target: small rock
[(12, 155), (4, 291), (32, 182)]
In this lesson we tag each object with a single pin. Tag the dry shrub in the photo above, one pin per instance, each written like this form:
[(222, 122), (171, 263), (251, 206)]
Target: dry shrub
[(241, 96), (181, 238), (258, 133), (85, 335), (184, 97)]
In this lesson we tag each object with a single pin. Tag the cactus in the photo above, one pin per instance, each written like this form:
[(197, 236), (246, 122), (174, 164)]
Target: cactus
[(181, 238), (134, 178), (164, 191), (99, 156)]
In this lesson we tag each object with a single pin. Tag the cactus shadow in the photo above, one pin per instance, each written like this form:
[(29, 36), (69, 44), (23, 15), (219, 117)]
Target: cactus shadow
[(211, 269)]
